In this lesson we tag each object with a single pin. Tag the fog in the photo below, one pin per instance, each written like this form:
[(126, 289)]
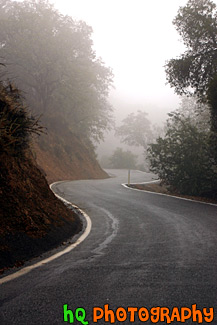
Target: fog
[(134, 38)]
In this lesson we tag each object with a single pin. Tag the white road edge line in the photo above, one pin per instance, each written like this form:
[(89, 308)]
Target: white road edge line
[(176, 197), (27, 269)]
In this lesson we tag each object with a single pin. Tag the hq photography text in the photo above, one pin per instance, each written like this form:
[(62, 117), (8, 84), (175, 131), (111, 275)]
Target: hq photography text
[(102, 315)]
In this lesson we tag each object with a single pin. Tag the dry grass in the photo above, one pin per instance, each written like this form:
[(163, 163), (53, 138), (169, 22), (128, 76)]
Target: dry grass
[(159, 188)]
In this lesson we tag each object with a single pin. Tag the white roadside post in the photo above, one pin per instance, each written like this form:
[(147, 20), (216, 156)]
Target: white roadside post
[(128, 177)]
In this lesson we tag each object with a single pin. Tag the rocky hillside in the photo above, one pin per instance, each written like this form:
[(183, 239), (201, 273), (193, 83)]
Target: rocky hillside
[(32, 219)]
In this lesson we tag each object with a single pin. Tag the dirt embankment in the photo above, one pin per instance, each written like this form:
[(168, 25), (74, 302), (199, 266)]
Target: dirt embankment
[(62, 155), (32, 219)]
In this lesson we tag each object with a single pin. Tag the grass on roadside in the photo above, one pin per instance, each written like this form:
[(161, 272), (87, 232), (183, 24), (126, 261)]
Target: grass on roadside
[(159, 188)]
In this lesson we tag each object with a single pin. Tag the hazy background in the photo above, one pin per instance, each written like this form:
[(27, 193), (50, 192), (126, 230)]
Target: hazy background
[(134, 38)]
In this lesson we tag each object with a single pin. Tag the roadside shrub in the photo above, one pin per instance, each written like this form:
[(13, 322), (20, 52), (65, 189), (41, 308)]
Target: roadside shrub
[(16, 125), (183, 159), (123, 159)]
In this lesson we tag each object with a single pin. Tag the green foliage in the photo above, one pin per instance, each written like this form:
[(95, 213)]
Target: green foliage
[(196, 23), (16, 126), (123, 159), (50, 58), (135, 129), (183, 158), (196, 70)]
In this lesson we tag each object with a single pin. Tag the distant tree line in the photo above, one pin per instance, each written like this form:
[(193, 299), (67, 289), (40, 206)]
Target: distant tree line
[(120, 159)]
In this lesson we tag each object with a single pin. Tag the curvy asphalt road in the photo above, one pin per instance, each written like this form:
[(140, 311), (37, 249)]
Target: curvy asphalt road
[(144, 250)]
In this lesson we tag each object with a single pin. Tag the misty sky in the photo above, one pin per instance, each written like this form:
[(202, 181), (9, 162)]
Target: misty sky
[(134, 38)]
